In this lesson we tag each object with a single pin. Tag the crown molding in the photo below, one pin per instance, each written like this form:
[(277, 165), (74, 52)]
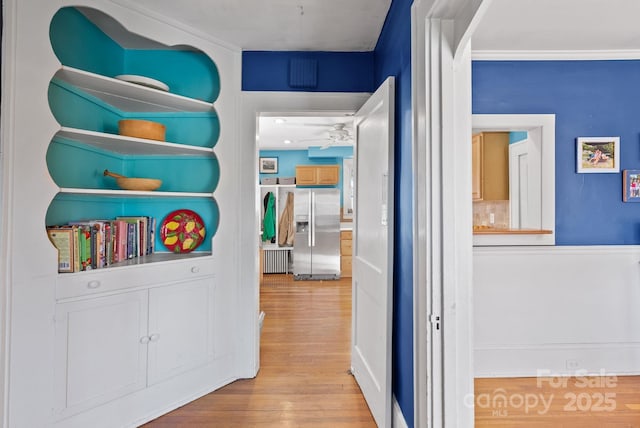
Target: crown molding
[(555, 55)]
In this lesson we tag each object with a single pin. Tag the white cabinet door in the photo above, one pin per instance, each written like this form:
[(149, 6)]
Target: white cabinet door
[(101, 352), (180, 326)]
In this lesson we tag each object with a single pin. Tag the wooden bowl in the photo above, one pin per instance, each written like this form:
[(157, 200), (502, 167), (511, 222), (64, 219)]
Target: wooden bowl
[(131, 183), (142, 129), (146, 184)]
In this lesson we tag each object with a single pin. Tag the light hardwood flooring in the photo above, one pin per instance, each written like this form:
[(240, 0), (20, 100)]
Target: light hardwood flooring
[(304, 362), (303, 379), (576, 402)]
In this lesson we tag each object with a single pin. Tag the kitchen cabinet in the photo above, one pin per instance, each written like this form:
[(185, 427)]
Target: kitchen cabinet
[(490, 166), (346, 253), (99, 354), (317, 175), (110, 346)]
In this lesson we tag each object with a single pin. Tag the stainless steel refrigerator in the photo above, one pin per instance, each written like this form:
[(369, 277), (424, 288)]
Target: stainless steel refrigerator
[(316, 249)]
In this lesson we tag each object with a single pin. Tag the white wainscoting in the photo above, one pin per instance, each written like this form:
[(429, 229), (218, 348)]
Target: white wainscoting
[(556, 309)]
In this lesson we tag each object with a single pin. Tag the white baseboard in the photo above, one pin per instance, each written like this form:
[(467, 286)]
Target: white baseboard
[(558, 360), (398, 420)]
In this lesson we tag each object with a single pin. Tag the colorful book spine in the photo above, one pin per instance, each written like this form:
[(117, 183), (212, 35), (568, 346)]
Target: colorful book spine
[(62, 239)]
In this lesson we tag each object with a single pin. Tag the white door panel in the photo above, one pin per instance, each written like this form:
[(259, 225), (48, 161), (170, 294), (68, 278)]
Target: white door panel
[(373, 252), (179, 326), (99, 355)]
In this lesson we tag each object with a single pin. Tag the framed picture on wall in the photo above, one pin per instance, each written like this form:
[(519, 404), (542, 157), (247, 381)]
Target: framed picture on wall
[(268, 165), (631, 185), (598, 154)]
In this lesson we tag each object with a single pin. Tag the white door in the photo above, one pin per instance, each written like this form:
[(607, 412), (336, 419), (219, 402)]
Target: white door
[(180, 322), (519, 184), (99, 353), (373, 251)]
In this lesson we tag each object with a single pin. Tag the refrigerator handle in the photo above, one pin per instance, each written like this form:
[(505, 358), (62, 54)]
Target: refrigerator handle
[(313, 218), (310, 221)]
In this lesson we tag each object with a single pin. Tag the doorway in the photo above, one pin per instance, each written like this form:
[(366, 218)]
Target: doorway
[(305, 153), (371, 338)]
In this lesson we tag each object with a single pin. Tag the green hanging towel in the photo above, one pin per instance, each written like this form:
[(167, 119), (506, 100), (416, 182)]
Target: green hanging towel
[(269, 221)]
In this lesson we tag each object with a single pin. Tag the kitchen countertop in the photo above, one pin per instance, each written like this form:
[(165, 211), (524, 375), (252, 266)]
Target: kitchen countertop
[(495, 231)]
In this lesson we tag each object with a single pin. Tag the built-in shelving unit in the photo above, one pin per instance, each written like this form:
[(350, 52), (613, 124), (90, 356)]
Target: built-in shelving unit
[(87, 143), (123, 342)]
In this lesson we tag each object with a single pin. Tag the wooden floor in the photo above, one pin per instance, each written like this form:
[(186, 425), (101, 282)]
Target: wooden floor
[(304, 362), (303, 379), (576, 402)]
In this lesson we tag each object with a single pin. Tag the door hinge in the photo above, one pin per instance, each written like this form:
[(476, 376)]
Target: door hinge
[(434, 319)]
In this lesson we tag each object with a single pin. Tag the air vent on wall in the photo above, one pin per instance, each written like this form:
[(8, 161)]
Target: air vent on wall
[(303, 73)]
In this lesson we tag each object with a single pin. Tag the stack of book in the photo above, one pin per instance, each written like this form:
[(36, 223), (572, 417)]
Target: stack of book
[(95, 244)]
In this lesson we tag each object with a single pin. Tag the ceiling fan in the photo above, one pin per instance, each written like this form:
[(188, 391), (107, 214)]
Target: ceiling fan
[(336, 135)]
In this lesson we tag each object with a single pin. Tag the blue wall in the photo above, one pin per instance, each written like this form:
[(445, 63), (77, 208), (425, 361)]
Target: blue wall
[(393, 58), (336, 71), (589, 99)]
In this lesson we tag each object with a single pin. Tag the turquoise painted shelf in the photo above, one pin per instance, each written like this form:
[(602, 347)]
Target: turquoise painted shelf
[(134, 193), (127, 96), (131, 146)]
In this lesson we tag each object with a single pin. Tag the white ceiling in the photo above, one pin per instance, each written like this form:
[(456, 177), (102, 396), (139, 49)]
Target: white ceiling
[(301, 131), (280, 25), (354, 25), (559, 26)]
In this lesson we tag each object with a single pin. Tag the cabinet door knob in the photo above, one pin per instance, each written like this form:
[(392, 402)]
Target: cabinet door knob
[(144, 340), (93, 284), (154, 337), (195, 269)]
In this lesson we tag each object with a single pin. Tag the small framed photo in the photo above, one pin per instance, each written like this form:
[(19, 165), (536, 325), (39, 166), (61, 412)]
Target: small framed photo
[(598, 154), (268, 165), (631, 185)]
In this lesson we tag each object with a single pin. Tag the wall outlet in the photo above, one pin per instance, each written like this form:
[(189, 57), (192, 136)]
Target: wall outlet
[(572, 364)]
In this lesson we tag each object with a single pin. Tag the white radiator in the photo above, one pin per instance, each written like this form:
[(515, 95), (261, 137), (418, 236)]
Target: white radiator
[(276, 261)]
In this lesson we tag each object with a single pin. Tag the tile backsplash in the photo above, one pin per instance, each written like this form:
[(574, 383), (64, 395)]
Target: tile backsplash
[(483, 210)]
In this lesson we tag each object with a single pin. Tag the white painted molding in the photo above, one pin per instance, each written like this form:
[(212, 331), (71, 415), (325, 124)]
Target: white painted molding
[(398, 420), (541, 128), (442, 238), (9, 41), (421, 385), (618, 359), (252, 104), (555, 55)]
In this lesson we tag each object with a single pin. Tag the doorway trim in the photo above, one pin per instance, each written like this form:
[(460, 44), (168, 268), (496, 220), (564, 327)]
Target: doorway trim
[(252, 104), (442, 259)]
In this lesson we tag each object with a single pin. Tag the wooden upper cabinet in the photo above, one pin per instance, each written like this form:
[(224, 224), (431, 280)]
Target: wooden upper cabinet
[(476, 168), (314, 175), (490, 166)]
